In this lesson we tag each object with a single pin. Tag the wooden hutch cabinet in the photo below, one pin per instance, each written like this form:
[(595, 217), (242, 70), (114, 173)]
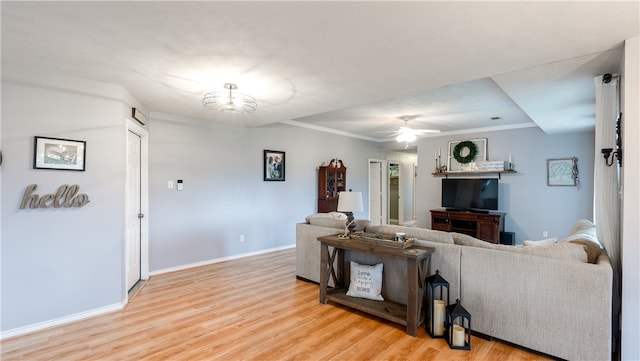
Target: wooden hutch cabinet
[(332, 179), (484, 226)]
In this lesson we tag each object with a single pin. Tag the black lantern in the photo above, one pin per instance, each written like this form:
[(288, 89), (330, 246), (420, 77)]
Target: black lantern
[(436, 305), (458, 327)]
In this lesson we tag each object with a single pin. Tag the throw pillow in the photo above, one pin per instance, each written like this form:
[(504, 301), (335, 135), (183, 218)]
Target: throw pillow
[(584, 229), (593, 249), (542, 242), (582, 226), (366, 281)]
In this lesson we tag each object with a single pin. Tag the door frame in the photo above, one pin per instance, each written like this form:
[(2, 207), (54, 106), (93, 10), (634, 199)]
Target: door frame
[(384, 188), (400, 191), (144, 206)]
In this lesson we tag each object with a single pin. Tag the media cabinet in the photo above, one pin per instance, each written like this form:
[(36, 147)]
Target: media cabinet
[(484, 226)]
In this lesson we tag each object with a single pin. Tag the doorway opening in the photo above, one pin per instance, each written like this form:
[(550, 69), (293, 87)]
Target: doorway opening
[(394, 193)]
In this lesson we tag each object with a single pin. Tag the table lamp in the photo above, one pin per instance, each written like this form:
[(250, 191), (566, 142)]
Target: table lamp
[(349, 202)]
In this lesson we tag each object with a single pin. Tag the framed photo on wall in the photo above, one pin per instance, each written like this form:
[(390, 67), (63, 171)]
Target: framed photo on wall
[(61, 154), (562, 172), (274, 165)]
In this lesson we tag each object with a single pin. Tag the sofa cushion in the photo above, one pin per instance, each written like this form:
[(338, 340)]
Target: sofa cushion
[(569, 251), (466, 240), (563, 250), (366, 281), (593, 250), (331, 219), (413, 232), (542, 242)]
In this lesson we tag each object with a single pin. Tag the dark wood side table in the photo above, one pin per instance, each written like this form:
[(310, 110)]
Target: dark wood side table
[(417, 263)]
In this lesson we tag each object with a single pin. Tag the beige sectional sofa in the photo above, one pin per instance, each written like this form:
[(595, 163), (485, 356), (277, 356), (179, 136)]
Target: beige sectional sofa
[(544, 297)]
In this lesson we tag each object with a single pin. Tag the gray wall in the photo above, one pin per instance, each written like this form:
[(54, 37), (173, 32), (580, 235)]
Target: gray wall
[(61, 261), (224, 194), (530, 205)]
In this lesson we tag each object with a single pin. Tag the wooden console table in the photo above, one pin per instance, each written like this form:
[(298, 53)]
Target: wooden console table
[(417, 262)]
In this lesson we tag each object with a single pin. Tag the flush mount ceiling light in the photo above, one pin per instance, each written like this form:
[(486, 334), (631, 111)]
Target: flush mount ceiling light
[(230, 101)]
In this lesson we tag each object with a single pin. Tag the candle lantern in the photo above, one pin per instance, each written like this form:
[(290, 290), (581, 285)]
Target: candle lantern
[(437, 296), (458, 325)]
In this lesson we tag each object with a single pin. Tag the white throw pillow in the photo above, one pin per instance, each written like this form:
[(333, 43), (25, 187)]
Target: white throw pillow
[(366, 281)]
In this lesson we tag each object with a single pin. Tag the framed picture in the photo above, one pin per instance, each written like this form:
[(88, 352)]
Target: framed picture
[(273, 165), (562, 172), (56, 153), (481, 154)]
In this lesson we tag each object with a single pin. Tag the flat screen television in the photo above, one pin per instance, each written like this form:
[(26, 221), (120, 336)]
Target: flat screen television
[(474, 194)]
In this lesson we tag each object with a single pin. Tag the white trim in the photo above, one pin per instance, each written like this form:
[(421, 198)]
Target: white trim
[(482, 130), (218, 260), (61, 321), (428, 135), (329, 130)]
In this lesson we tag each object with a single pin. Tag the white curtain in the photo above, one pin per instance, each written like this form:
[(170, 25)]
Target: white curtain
[(607, 183)]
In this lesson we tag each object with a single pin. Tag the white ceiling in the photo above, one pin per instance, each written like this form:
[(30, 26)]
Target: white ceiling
[(350, 67)]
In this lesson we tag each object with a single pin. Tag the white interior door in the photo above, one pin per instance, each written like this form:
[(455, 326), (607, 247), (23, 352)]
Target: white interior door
[(134, 211)]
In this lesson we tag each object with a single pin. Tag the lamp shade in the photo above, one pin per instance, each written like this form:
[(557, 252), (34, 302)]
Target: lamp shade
[(350, 202)]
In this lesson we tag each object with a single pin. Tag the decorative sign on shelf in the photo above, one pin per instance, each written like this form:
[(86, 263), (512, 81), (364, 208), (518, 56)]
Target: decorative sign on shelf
[(65, 197), (463, 155)]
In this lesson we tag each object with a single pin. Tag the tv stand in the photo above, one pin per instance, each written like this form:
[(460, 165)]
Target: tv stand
[(479, 211), (480, 224)]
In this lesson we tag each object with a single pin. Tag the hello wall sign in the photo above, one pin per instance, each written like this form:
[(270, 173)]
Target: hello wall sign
[(65, 197)]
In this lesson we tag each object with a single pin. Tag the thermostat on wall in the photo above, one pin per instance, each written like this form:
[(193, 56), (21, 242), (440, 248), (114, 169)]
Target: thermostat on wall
[(180, 184)]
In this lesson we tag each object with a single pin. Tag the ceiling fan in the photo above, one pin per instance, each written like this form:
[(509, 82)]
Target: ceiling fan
[(407, 134)]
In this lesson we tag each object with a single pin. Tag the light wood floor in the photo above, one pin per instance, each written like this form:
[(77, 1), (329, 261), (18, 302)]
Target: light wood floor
[(247, 309)]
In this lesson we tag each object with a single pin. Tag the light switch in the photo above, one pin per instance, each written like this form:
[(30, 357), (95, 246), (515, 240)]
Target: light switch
[(170, 184)]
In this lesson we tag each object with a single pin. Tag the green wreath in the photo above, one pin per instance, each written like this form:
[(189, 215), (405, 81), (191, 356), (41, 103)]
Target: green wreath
[(457, 151)]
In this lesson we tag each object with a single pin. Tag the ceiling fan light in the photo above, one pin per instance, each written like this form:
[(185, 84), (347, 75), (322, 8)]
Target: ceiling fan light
[(406, 137)]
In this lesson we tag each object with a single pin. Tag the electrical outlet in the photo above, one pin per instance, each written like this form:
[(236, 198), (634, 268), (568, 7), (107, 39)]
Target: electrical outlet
[(242, 238), (545, 234)]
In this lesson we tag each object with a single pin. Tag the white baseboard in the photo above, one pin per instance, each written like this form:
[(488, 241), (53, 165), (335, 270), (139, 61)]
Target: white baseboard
[(61, 321), (218, 260)]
